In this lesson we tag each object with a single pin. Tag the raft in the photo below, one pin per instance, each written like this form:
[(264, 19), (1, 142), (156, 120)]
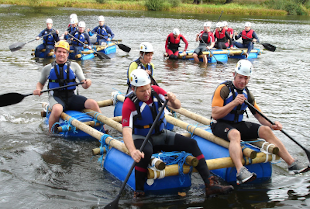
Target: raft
[(42, 54), (222, 55), (87, 54), (170, 178)]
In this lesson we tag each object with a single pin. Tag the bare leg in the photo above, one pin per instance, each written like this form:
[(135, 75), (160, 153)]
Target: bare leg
[(266, 133), (92, 104), (55, 115), (235, 150), (196, 58)]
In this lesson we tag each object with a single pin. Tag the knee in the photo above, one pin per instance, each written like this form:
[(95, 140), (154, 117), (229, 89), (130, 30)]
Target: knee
[(57, 110), (90, 103), (264, 130), (234, 136)]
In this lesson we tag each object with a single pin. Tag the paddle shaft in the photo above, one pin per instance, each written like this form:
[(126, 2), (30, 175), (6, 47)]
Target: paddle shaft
[(77, 39), (115, 202), (249, 104)]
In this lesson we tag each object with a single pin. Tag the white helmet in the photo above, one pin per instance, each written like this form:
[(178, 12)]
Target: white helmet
[(207, 24), (219, 25), (244, 67), (224, 23), (247, 24), (139, 77), (176, 32), (49, 20), (74, 21), (146, 47), (73, 16), (82, 24), (100, 18)]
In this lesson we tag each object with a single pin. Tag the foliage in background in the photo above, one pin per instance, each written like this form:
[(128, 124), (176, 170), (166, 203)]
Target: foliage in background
[(293, 7), (101, 1), (155, 5)]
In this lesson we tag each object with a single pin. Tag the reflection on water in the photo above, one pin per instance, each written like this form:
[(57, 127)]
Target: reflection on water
[(40, 170)]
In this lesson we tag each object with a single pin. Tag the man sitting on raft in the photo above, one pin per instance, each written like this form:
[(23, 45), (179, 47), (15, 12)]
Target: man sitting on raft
[(228, 107)]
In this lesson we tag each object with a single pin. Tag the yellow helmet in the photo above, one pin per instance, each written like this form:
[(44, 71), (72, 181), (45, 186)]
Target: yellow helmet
[(63, 44)]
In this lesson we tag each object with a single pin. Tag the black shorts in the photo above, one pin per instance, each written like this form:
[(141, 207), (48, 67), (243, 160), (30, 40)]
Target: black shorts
[(248, 130), (74, 102)]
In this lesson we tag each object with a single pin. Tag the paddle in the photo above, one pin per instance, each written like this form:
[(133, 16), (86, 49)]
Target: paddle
[(99, 54), (17, 46), (14, 98), (306, 151), (267, 46), (114, 204), (121, 46)]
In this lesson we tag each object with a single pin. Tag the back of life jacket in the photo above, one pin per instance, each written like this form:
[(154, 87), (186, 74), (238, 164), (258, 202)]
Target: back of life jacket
[(61, 76), (146, 115)]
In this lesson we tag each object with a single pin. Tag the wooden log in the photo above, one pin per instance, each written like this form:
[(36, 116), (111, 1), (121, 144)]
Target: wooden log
[(263, 144), (89, 123), (190, 160), (173, 170), (105, 103), (192, 115), (97, 151), (205, 134)]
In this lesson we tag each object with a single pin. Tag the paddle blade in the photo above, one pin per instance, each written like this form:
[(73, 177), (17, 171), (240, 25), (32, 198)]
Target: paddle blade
[(113, 205), (124, 47), (102, 55), (269, 47), (10, 99), (16, 46)]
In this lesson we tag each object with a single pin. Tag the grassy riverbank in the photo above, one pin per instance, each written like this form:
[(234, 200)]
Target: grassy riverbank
[(239, 8)]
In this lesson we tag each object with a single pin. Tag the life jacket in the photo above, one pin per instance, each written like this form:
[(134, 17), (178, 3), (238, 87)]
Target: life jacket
[(72, 29), (61, 76), (174, 43), (247, 36), (140, 65), (236, 115), (221, 37), (102, 30), (146, 115), (230, 31), (79, 36), (48, 40), (205, 37)]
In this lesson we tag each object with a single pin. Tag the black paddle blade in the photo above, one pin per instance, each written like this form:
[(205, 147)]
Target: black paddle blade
[(16, 46), (102, 55), (269, 47), (10, 99), (114, 204), (124, 47)]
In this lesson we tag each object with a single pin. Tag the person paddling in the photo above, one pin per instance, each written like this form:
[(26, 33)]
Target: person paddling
[(143, 62), (206, 42), (104, 32), (228, 107), (222, 37), (59, 73), (173, 43), (49, 40), (136, 123), (80, 39), (73, 27), (249, 37)]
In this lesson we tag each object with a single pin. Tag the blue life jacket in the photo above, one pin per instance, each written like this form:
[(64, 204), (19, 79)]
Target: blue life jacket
[(140, 65), (48, 40), (236, 115), (61, 76), (143, 121), (79, 36), (102, 30)]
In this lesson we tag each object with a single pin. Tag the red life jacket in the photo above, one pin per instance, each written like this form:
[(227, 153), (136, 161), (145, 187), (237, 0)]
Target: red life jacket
[(220, 35), (205, 37), (247, 34), (230, 31), (174, 43)]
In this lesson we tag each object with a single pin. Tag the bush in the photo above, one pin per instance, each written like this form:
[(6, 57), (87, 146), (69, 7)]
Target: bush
[(175, 3), (293, 7), (101, 1), (154, 5)]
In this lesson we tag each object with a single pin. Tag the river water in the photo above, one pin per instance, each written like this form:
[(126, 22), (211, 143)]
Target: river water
[(38, 170)]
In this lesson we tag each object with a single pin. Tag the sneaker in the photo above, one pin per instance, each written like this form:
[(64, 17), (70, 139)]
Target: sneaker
[(215, 188), (245, 176), (297, 168), (137, 194)]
